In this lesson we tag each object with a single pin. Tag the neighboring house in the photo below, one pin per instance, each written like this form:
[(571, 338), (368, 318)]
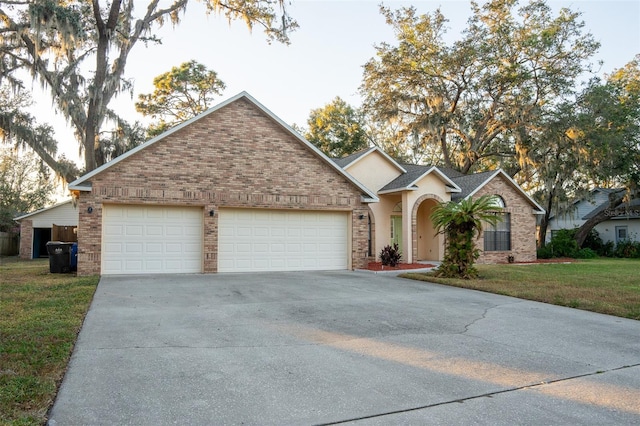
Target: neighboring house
[(408, 193), (236, 189), (620, 226), (55, 223)]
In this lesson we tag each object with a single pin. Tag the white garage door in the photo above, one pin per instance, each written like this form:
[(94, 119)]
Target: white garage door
[(151, 239), (275, 240)]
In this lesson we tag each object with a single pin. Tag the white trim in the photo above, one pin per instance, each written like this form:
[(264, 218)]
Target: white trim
[(514, 184), (391, 191), (75, 185), (384, 154), (86, 188), (412, 186), (42, 210)]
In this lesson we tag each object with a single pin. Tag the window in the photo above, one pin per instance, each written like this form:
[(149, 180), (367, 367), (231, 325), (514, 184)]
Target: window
[(621, 233), (498, 237)]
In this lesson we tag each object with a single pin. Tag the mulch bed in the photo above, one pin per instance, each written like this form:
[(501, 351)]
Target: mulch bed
[(377, 266)]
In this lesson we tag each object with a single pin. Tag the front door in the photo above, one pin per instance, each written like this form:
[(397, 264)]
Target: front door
[(396, 231)]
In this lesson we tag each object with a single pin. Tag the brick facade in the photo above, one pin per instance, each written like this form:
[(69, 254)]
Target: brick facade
[(26, 239), (523, 224), (237, 156)]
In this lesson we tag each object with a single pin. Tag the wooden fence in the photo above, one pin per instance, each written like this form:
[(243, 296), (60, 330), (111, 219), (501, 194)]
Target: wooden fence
[(8, 244)]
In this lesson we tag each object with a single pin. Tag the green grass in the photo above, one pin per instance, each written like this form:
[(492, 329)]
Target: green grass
[(40, 316), (608, 286)]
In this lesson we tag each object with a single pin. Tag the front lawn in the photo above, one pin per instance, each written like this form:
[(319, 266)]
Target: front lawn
[(40, 316), (608, 286)]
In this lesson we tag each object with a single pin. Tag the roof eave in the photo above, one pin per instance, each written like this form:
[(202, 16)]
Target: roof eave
[(537, 207), (394, 190), (384, 154), (76, 184), (24, 216), (443, 177), (83, 188)]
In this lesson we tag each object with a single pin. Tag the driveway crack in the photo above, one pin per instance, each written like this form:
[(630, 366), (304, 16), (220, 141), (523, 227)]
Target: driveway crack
[(484, 315)]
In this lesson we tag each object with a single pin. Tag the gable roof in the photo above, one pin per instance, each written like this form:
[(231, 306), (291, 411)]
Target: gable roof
[(471, 184), (583, 202), (55, 206), (408, 180), (83, 183), (633, 203), (349, 160)]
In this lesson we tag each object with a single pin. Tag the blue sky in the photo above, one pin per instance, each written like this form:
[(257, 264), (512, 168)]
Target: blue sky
[(327, 52)]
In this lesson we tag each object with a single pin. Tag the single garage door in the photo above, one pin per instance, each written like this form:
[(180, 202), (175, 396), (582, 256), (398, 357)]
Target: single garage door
[(151, 239), (276, 240)]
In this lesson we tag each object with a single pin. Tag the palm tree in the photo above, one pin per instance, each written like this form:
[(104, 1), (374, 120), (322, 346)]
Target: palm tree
[(461, 222)]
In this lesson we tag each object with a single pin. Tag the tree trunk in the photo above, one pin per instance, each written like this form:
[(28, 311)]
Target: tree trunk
[(604, 214), (445, 149), (542, 230), (544, 223)]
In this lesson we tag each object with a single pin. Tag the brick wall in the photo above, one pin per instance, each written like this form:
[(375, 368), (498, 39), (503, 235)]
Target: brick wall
[(26, 239), (235, 157), (523, 224)]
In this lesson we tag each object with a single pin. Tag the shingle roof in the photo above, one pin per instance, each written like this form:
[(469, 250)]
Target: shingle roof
[(450, 173), (633, 204), (344, 161), (461, 185), (469, 183), (414, 171)]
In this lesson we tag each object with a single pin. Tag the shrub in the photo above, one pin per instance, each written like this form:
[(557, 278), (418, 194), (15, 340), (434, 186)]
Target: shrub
[(586, 253), (595, 243), (390, 255), (563, 243), (606, 249), (628, 249), (545, 252), (461, 223)]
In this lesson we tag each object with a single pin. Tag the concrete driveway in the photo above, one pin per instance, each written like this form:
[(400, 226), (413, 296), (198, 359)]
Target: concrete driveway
[(332, 347)]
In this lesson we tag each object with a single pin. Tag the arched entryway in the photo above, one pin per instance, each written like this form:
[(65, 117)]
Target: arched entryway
[(427, 245)]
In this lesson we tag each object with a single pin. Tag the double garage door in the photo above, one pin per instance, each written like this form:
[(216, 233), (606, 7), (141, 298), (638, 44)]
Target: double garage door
[(158, 239), (277, 240)]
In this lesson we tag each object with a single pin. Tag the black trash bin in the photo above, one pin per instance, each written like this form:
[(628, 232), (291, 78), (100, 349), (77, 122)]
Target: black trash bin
[(59, 257)]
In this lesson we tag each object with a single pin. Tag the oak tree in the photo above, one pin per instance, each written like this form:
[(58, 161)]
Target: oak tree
[(78, 50), (337, 129), (180, 94), (474, 99)]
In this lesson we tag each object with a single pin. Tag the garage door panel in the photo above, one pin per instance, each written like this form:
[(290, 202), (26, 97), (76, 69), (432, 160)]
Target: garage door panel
[(154, 248), (264, 240), (151, 239), (133, 230)]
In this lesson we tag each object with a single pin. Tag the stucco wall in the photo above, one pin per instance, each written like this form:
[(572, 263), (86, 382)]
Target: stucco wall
[(374, 171), (236, 156)]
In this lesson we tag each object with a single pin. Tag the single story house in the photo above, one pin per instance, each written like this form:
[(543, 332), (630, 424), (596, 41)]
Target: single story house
[(620, 226), (56, 223), (236, 189), (409, 192)]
